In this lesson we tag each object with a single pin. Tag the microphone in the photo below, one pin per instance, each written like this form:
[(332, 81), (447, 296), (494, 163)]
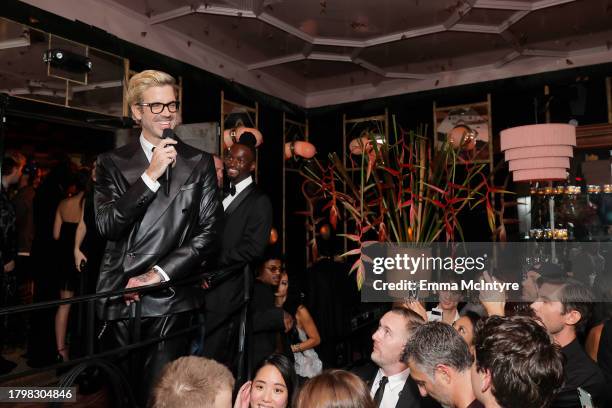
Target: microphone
[(168, 134)]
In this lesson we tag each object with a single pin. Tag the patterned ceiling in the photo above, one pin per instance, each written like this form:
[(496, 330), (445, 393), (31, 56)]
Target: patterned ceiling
[(316, 52)]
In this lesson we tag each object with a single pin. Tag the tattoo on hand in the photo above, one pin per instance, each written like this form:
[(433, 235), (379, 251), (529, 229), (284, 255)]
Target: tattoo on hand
[(146, 276)]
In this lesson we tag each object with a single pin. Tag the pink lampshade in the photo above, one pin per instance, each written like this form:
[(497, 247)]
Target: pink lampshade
[(540, 163), (540, 174), (546, 134), (539, 152)]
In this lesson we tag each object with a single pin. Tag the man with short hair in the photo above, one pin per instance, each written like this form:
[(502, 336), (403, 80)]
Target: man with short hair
[(440, 361), (389, 376), (12, 166), (564, 306), (245, 234), (517, 364), (154, 234), (194, 382)]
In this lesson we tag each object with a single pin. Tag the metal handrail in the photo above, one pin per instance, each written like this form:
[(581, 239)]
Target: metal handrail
[(213, 278), (217, 277)]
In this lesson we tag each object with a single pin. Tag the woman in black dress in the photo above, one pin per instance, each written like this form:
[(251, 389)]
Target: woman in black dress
[(89, 245), (67, 218)]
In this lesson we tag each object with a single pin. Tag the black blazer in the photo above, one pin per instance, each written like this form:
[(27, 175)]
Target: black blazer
[(178, 232), (409, 396), (246, 231)]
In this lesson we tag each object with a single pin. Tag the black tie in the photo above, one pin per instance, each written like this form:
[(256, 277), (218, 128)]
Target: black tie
[(380, 391)]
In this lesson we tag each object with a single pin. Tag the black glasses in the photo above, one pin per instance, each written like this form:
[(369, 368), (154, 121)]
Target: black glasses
[(158, 107)]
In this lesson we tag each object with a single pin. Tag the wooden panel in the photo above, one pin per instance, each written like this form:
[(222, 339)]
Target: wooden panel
[(594, 136)]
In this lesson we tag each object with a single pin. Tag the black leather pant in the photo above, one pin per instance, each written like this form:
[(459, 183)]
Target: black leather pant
[(151, 359)]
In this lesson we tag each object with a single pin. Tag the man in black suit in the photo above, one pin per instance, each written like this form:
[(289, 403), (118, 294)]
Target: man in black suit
[(440, 363), (154, 235), (248, 220), (389, 377), (517, 364), (564, 306)]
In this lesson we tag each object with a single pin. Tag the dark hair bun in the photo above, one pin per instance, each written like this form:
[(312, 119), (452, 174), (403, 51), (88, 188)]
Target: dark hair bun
[(248, 139)]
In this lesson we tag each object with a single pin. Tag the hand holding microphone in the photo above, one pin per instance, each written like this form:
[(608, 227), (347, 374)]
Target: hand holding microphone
[(163, 157)]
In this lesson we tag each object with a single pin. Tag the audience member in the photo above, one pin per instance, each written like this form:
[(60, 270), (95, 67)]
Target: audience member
[(602, 311), (305, 334), (604, 356), (53, 189), (440, 361), (272, 386), (268, 320), (466, 326), (388, 377), (564, 307), (67, 218), (516, 363), (11, 172), (193, 382), (334, 389), (446, 310), (88, 244), (530, 285), (24, 211)]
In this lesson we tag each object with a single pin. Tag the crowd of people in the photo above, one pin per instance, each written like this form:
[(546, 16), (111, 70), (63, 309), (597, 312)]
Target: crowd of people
[(158, 210)]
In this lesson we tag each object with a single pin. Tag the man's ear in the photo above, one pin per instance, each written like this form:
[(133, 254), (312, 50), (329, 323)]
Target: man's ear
[(486, 380), (136, 112), (572, 317), (445, 373), (253, 166)]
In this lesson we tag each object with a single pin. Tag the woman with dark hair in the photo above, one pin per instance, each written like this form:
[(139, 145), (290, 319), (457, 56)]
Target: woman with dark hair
[(272, 386), (67, 218), (304, 335), (466, 326), (88, 244), (334, 389)]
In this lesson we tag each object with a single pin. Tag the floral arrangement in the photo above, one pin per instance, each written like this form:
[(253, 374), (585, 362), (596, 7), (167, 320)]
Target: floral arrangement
[(400, 190)]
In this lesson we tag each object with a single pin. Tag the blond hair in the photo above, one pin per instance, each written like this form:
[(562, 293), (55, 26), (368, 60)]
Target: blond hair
[(334, 388), (191, 382), (145, 80)]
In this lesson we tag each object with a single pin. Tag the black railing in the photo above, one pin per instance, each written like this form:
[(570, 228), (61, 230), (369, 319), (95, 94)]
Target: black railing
[(100, 359)]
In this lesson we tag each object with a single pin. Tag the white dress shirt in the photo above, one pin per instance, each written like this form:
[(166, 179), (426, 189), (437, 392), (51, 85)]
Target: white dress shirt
[(154, 185), (392, 389), (239, 187)]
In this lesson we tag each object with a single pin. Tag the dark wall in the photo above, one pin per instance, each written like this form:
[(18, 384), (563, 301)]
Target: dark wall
[(575, 93)]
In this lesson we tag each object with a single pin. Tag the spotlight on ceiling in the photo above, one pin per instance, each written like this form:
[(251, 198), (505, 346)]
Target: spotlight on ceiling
[(67, 61)]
